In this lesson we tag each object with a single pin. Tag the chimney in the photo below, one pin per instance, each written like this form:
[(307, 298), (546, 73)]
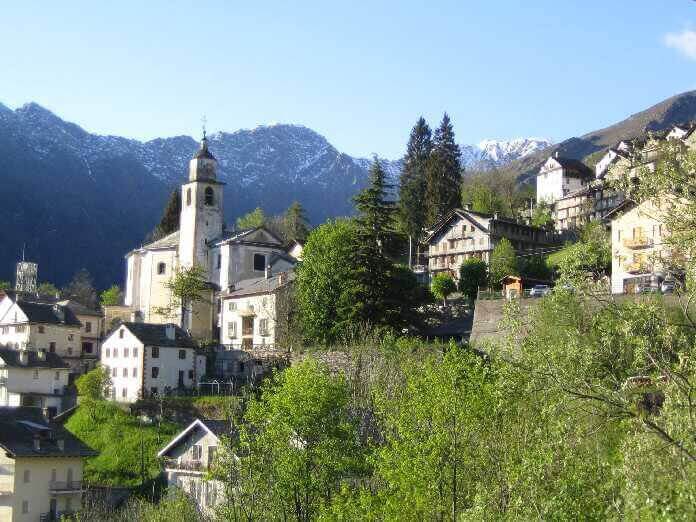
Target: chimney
[(41, 354), (268, 272), (23, 357), (169, 331)]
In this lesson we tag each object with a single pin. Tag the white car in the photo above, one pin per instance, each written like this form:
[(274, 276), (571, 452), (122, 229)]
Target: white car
[(540, 291)]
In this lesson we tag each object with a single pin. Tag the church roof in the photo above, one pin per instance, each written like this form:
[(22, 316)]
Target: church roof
[(203, 151), (232, 236), (170, 241)]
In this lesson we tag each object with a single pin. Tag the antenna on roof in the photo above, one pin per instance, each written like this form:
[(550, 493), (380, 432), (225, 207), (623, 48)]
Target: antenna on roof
[(24, 248)]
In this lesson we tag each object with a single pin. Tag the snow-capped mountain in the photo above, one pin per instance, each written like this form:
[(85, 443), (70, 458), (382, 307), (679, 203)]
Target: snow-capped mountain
[(488, 154)]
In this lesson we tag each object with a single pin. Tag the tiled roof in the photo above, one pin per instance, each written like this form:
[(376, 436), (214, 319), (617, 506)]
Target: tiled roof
[(80, 309), (260, 285), (573, 164), (11, 358), (19, 427), (170, 241), (151, 334), (48, 313)]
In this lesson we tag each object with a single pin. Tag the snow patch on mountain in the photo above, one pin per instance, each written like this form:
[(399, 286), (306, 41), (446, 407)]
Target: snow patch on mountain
[(489, 154)]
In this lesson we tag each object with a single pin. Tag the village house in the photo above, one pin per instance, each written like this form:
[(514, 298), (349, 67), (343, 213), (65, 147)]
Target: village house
[(464, 234), (41, 466), (36, 324), (637, 249), (189, 456), (559, 177), (255, 312), (226, 256), (91, 332), (32, 378), (150, 359)]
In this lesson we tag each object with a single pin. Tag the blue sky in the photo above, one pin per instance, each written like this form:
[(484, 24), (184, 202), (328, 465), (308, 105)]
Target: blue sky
[(359, 73)]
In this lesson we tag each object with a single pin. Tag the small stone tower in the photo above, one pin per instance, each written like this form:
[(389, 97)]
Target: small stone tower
[(201, 209)]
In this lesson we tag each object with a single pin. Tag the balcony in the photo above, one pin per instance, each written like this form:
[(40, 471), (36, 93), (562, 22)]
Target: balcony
[(637, 268), (72, 486), (184, 465), (637, 242)]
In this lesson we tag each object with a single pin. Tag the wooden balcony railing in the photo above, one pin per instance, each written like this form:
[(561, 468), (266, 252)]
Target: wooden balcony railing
[(57, 486), (637, 268), (186, 465), (638, 242)]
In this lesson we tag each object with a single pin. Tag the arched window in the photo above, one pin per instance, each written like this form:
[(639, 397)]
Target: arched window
[(209, 196), (188, 197), (161, 268)]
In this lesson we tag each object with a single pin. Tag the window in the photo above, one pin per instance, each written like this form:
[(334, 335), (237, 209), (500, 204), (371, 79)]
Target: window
[(87, 348), (70, 337), (197, 451), (57, 376), (125, 352), (182, 354), (42, 329), (113, 372), (5, 330), (124, 391), (188, 196), (153, 390), (25, 507), (209, 198), (27, 476), (135, 352), (232, 329), (161, 268), (231, 306), (108, 353), (36, 374), (259, 262), (54, 475), (69, 350), (20, 328), (115, 352), (263, 326), (155, 372), (120, 333), (135, 372), (219, 261), (190, 374), (155, 352), (88, 327), (125, 372)]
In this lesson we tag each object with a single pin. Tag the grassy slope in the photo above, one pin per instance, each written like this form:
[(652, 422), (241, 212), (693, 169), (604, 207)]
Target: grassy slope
[(118, 437)]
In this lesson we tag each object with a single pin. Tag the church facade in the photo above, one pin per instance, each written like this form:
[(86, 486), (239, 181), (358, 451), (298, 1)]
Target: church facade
[(225, 256)]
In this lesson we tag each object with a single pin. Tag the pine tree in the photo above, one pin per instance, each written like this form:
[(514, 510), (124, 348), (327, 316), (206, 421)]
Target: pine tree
[(412, 209), (444, 174), (366, 300), (170, 218), (296, 227)]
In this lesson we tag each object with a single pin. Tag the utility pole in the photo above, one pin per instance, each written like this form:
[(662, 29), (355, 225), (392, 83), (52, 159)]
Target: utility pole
[(410, 252)]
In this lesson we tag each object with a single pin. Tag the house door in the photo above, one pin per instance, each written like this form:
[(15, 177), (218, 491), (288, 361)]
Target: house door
[(181, 378), (53, 509)]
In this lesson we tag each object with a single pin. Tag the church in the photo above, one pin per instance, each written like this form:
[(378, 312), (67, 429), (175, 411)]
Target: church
[(226, 256)]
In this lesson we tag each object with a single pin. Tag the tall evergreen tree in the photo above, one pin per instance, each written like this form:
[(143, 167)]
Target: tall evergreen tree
[(296, 227), (170, 218), (444, 173), (366, 300), (412, 209)]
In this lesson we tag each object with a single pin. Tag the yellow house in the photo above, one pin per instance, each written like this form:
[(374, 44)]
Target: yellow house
[(41, 467), (637, 249)]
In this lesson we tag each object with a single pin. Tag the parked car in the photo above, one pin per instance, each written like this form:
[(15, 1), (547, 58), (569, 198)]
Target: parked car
[(540, 291), (647, 289), (668, 286)]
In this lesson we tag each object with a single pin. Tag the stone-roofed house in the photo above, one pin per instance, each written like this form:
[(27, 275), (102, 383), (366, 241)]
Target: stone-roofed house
[(91, 332), (560, 176), (463, 234), (226, 255), (35, 323), (32, 378), (255, 312), (189, 456), (41, 466), (150, 359)]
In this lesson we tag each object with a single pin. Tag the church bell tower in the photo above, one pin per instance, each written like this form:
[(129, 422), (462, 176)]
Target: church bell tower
[(201, 209)]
